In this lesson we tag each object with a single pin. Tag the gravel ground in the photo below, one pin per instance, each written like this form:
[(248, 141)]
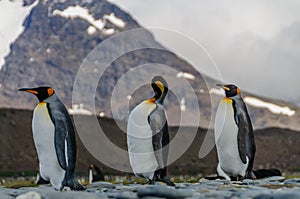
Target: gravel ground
[(274, 187)]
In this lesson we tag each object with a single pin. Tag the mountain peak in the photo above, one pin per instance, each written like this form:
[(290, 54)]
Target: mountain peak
[(59, 35)]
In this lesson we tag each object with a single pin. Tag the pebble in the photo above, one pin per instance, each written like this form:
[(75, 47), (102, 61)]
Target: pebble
[(275, 178), (163, 191), (30, 195), (249, 182), (269, 188), (292, 181), (5, 196), (101, 185), (126, 195)]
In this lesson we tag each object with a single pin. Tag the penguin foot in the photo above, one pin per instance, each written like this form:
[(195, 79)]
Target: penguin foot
[(73, 184), (167, 180), (151, 182), (249, 175), (42, 181)]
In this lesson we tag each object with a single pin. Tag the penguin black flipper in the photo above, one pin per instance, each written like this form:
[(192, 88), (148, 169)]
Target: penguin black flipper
[(246, 142), (65, 134), (59, 136), (242, 137), (156, 123), (165, 145)]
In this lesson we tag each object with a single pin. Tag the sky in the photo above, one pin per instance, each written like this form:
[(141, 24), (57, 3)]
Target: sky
[(255, 44)]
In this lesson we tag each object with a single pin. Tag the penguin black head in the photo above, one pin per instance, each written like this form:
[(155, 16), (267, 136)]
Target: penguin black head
[(230, 90), (41, 93), (91, 166), (160, 88)]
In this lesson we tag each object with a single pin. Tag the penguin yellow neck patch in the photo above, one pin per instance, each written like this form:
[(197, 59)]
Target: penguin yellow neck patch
[(160, 86), (152, 100), (227, 99), (42, 103)]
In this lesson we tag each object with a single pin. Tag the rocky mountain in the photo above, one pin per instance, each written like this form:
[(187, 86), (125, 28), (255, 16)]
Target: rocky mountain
[(62, 39)]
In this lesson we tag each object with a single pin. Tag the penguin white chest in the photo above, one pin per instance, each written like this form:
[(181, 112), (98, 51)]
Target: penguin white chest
[(139, 141), (43, 135), (226, 132)]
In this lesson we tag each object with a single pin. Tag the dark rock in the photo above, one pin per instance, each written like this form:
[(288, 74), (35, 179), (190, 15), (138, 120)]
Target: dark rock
[(163, 191), (101, 185), (126, 195), (43, 194), (5, 196), (11, 192), (219, 194), (292, 181), (249, 182), (263, 196), (287, 194), (275, 178), (30, 195)]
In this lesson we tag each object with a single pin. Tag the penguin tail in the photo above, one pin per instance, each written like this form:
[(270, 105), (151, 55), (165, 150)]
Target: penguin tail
[(264, 173)]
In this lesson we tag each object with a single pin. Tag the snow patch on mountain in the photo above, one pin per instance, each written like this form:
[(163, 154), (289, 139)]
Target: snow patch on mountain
[(91, 30), (109, 31), (115, 20), (217, 91), (271, 107), (185, 75), (182, 104), (73, 12), (77, 109), (13, 14)]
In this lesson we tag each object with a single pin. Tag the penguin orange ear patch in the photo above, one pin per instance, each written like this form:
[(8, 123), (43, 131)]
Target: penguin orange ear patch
[(50, 91), (238, 91)]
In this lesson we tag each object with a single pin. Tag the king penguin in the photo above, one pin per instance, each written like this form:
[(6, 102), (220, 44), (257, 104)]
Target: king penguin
[(148, 136), (95, 174), (234, 136), (54, 139)]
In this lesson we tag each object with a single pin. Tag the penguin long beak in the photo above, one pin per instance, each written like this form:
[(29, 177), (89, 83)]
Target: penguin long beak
[(29, 90), (223, 86)]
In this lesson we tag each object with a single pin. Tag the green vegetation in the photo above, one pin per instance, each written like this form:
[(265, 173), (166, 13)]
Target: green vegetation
[(18, 182)]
